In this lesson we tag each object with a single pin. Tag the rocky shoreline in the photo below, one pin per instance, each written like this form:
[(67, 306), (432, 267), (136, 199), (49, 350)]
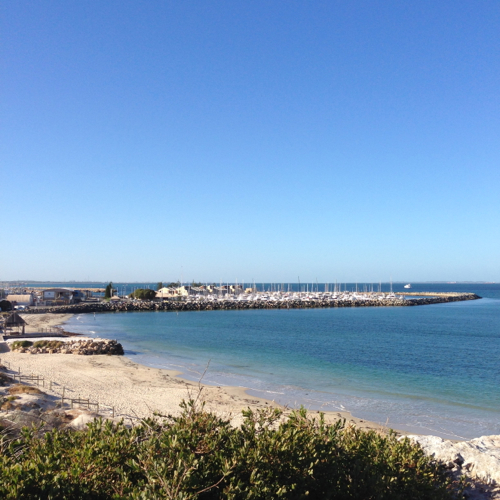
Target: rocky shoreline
[(228, 304)]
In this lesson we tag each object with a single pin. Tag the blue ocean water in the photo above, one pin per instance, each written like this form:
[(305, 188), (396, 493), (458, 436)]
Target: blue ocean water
[(427, 369)]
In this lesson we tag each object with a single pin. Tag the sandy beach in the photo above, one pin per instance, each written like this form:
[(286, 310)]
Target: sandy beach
[(45, 320), (135, 390)]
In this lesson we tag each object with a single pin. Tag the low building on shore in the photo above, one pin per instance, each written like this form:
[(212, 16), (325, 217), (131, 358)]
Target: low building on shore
[(172, 293), (62, 296), (21, 300)]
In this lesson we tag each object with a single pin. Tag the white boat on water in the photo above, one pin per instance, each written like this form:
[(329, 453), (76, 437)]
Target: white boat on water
[(407, 286)]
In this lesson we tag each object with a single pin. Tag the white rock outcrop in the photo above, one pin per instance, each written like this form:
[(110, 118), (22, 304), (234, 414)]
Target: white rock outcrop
[(480, 457), (477, 459)]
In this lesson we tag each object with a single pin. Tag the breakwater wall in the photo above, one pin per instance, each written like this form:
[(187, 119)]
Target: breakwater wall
[(81, 347), (228, 304)]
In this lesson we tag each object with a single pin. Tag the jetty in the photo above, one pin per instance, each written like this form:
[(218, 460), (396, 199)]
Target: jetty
[(262, 300)]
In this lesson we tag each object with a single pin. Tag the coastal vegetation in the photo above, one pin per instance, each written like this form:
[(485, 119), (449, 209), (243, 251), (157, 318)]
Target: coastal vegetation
[(5, 305), (174, 284), (143, 294), (49, 344), (198, 455), (108, 291), (21, 344)]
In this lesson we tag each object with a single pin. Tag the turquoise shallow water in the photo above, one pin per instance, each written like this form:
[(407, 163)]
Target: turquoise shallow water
[(429, 369)]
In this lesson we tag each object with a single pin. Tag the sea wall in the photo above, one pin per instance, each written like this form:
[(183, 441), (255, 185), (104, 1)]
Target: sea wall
[(210, 305), (82, 347)]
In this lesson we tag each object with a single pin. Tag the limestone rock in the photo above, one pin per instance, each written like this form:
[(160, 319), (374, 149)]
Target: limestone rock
[(477, 459), (81, 421), (480, 456)]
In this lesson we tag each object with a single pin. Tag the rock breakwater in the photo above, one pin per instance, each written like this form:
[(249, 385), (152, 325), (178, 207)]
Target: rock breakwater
[(81, 347), (231, 304)]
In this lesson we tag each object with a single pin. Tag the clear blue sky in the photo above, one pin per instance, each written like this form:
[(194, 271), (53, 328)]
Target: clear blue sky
[(262, 140)]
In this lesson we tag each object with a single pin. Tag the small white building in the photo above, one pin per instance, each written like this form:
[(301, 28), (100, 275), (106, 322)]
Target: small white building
[(169, 293)]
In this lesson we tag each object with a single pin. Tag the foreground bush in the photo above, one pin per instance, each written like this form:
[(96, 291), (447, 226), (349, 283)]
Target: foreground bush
[(200, 456)]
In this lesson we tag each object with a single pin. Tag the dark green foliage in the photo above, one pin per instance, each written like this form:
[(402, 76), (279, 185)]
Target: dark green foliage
[(174, 284), (143, 294), (20, 344), (5, 305), (200, 456), (159, 285), (108, 292), (50, 344)]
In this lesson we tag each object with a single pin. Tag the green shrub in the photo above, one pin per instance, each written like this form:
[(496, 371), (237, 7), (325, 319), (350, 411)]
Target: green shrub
[(49, 344), (21, 344), (5, 305), (200, 456), (143, 294)]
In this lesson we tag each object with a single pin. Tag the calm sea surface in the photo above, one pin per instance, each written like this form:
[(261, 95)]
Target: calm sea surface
[(428, 369)]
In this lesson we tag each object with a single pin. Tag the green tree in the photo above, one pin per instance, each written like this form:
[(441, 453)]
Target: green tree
[(5, 305), (108, 292), (159, 286), (143, 294)]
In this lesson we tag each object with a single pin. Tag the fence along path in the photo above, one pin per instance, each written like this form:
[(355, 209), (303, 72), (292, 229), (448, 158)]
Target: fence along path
[(71, 402)]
